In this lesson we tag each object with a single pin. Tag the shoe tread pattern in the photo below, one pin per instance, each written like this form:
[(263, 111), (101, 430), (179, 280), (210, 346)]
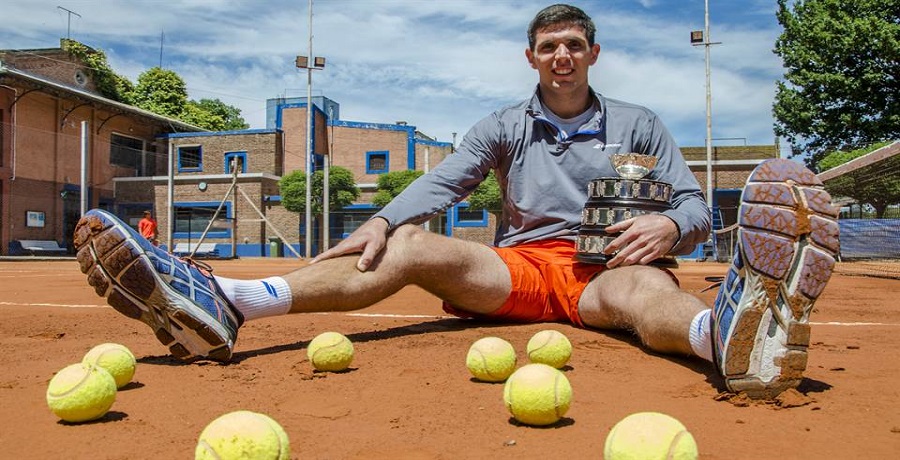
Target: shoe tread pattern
[(118, 267), (788, 238)]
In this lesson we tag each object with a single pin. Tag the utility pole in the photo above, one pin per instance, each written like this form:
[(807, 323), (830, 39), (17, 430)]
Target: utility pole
[(702, 38), (303, 62), (69, 22)]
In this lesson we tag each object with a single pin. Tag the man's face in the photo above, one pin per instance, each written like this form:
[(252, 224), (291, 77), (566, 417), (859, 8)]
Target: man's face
[(562, 55)]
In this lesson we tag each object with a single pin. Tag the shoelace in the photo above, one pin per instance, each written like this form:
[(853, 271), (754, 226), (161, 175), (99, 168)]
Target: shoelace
[(715, 280), (204, 268)]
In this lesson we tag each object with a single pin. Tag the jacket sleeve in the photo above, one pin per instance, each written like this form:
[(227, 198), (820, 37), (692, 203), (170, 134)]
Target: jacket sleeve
[(452, 180)]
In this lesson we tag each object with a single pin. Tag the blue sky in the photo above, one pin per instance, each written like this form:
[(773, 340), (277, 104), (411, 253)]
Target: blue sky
[(439, 65)]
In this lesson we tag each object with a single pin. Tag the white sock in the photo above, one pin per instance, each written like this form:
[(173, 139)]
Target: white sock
[(257, 298), (700, 336)]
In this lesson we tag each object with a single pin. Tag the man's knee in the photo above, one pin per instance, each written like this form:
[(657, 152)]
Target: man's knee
[(407, 230), (406, 235)]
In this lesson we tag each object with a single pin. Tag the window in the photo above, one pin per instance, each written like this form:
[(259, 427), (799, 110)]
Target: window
[(318, 162), (464, 217), (127, 152), (240, 157), (191, 219), (190, 158), (377, 162)]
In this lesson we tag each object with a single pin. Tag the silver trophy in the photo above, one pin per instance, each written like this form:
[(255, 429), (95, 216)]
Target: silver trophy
[(614, 199)]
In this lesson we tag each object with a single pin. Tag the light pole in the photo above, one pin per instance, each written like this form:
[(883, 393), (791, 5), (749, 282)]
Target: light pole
[(303, 63), (698, 37)]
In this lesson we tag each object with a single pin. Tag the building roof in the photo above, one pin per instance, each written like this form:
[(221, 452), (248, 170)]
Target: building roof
[(869, 159), (61, 90)]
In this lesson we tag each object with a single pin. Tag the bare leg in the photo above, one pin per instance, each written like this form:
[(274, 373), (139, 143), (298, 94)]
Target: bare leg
[(644, 300), (467, 274)]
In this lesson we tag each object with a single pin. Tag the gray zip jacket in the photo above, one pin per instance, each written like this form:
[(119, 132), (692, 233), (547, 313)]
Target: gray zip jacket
[(543, 176)]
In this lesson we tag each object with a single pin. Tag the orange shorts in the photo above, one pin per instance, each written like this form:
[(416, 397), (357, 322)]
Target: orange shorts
[(546, 284)]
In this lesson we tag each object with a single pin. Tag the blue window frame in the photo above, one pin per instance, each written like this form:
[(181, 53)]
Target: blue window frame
[(190, 158), (241, 158), (463, 217), (192, 217), (377, 162)]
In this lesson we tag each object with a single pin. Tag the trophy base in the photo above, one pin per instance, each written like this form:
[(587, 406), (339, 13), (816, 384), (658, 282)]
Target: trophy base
[(602, 259), (590, 244)]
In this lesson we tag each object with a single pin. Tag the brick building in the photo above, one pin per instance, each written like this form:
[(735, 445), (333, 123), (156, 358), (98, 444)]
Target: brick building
[(47, 97)]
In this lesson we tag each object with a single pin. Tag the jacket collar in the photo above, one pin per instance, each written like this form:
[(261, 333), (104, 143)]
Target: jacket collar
[(535, 107)]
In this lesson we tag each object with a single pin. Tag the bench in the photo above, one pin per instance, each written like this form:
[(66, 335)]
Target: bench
[(42, 247), (208, 250)]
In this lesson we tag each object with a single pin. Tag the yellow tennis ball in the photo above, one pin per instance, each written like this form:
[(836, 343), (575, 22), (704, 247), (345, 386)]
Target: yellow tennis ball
[(116, 359), (243, 435), (649, 436), (549, 347), (537, 394), (81, 392), (491, 359), (330, 351)]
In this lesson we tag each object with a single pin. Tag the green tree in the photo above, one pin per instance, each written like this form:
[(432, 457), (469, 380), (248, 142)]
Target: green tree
[(840, 90), (391, 184), (160, 91), (110, 84), (487, 196), (195, 115), (867, 185), (214, 115), (342, 190)]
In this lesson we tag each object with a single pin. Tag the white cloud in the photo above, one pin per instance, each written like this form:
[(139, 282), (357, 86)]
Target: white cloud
[(438, 65)]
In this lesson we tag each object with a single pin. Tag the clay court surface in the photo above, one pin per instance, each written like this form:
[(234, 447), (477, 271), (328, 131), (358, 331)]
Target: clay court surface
[(408, 393)]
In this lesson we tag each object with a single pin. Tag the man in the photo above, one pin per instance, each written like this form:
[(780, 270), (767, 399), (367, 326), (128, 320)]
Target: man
[(544, 151), (147, 227)]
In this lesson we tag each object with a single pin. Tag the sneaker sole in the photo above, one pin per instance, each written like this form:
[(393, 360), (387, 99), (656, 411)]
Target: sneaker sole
[(789, 239), (118, 269)]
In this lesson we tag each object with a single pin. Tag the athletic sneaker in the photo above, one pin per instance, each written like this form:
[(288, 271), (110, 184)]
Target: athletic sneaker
[(787, 239), (179, 299)]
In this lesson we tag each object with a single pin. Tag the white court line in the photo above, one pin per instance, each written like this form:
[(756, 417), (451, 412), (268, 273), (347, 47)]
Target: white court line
[(384, 315), (392, 315), (21, 304), (837, 323)]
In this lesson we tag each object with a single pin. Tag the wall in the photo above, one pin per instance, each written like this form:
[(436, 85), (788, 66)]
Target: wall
[(262, 149)]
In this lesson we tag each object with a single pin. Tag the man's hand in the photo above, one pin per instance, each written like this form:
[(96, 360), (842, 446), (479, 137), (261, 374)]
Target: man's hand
[(369, 239), (648, 237)]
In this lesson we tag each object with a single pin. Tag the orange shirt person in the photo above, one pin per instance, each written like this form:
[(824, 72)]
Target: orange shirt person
[(148, 228)]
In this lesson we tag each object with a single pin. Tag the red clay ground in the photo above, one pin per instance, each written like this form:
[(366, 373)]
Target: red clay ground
[(409, 394)]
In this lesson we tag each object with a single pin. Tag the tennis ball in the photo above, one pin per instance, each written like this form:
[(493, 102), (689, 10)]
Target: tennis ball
[(81, 392), (537, 394), (330, 351), (549, 347), (115, 358), (649, 435), (491, 359), (243, 435)]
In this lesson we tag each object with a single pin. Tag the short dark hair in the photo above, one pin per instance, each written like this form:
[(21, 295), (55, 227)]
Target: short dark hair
[(561, 14)]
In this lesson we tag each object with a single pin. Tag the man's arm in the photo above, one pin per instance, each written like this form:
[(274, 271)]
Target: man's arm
[(451, 181)]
